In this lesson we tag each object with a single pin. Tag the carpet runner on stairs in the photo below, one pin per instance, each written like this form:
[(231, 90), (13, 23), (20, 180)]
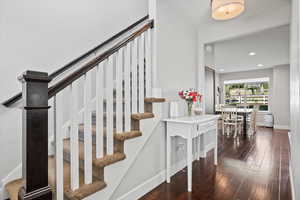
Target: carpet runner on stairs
[(98, 164)]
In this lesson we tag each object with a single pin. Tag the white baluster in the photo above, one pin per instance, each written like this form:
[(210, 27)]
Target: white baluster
[(87, 129), (119, 91), (141, 57), (58, 138), (99, 110), (51, 127), (148, 64), (134, 81), (127, 98), (154, 54), (109, 105), (74, 148)]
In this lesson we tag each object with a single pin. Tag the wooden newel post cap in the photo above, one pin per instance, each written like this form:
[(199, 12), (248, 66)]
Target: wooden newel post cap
[(34, 76), (35, 89)]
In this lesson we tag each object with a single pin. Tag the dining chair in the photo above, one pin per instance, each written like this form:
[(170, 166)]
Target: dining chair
[(244, 106), (251, 129), (231, 120)]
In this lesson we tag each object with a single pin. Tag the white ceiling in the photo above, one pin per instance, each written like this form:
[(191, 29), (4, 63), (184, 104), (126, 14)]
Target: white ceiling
[(263, 28), (199, 11), (271, 48)]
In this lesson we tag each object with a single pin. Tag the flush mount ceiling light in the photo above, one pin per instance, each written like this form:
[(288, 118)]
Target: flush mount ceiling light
[(252, 53), (226, 9), (260, 65)]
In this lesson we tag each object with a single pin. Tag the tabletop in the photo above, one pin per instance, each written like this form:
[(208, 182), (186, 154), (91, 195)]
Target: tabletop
[(239, 110), (192, 119)]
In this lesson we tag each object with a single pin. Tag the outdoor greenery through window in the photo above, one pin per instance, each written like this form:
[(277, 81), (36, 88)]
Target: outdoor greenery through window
[(253, 93)]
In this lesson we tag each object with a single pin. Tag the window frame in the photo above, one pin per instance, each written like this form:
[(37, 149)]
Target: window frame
[(246, 82)]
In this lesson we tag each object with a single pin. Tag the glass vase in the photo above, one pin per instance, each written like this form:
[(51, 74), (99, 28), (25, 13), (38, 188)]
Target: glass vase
[(197, 109), (190, 106)]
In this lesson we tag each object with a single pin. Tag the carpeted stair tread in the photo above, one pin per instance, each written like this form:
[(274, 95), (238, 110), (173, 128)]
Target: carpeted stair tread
[(137, 116), (118, 136), (13, 188), (140, 116), (154, 100), (109, 159), (127, 135), (101, 162), (83, 191)]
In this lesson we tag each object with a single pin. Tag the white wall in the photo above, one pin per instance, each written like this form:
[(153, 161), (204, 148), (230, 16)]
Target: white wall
[(176, 57), (45, 35), (209, 92), (177, 46), (295, 98), (177, 69), (281, 97), (11, 140)]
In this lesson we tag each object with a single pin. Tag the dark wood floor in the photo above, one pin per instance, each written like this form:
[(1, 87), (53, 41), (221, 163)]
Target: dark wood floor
[(248, 169)]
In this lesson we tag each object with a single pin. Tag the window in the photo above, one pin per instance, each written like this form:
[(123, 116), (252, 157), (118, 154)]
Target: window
[(253, 92)]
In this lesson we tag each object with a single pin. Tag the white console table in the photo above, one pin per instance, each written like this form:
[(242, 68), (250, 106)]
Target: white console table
[(190, 128)]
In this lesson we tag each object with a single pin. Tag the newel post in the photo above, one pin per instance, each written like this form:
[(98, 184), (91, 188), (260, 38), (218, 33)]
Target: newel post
[(35, 136)]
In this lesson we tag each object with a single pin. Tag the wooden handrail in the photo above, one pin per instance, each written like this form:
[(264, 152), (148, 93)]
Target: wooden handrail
[(93, 63), (56, 73)]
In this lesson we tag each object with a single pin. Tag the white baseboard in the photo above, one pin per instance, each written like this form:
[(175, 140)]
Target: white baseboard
[(282, 127), (153, 182), (144, 188), (292, 183)]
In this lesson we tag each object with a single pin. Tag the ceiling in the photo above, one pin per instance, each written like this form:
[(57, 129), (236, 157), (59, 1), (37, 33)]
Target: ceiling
[(270, 46), (262, 27), (199, 10)]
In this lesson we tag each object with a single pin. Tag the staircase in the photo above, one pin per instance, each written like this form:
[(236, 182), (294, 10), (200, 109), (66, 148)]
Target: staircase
[(106, 99)]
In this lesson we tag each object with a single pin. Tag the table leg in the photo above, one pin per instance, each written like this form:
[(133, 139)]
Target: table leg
[(189, 162), (168, 158), (198, 147), (216, 146), (245, 124)]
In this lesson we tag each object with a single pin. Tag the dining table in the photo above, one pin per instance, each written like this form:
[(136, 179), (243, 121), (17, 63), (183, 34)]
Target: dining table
[(240, 111)]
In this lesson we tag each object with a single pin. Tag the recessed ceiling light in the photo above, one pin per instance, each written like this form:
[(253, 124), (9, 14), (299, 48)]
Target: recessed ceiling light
[(260, 65), (221, 70), (252, 53)]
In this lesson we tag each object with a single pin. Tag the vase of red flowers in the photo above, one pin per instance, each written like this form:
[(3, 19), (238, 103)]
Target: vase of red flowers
[(190, 96)]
